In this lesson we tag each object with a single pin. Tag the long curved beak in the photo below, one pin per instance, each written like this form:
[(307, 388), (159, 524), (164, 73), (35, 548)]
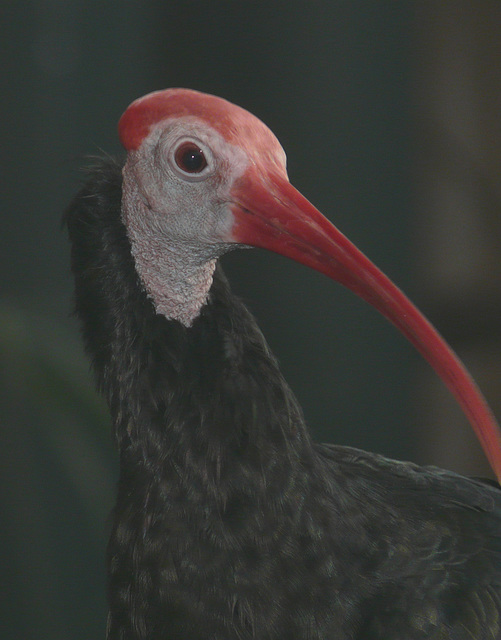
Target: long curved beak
[(270, 213)]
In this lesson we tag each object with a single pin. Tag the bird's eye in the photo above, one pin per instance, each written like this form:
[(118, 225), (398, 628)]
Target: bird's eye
[(190, 158)]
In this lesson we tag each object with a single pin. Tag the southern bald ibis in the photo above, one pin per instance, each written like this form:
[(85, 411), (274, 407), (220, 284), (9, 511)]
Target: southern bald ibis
[(230, 522)]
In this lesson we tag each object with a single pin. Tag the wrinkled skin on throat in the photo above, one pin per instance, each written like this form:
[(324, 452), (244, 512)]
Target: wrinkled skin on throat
[(176, 273), (178, 227)]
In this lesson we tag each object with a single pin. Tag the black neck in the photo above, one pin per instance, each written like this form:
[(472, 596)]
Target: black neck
[(214, 454), (208, 400)]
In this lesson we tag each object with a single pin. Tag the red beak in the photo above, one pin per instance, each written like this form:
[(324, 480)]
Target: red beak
[(270, 213)]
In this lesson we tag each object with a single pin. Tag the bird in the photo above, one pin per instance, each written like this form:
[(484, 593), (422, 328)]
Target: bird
[(230, 522)]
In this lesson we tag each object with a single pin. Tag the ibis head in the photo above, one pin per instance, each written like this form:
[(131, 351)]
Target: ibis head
[(203, 176)]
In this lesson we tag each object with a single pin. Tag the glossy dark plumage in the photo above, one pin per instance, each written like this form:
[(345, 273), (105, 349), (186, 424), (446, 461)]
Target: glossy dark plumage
[(230, 522)]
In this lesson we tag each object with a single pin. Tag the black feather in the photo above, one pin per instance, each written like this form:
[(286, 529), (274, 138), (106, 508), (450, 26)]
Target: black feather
[(230, 523)]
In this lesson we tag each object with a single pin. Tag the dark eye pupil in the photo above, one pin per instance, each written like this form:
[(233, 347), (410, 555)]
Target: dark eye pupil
[(190, 158)]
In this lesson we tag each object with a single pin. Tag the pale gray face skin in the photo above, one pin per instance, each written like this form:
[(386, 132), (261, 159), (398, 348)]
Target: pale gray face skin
[(179, 223)]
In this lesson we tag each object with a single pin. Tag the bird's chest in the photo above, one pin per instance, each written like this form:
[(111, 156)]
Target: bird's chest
[(224, 571)]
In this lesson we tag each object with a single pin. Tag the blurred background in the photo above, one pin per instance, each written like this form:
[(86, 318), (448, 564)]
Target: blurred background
[(389, 113)]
